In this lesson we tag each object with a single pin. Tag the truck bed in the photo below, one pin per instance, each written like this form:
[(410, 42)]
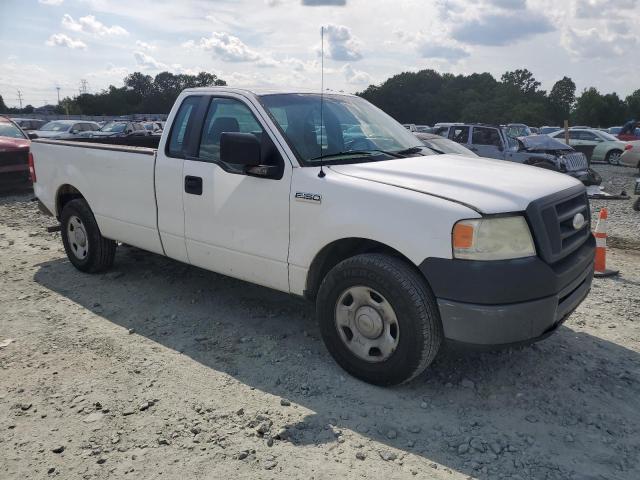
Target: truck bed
[(116, 180)]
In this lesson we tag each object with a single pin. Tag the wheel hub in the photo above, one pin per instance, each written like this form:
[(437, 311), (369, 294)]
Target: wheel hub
[(77, 237), (80, 237), (369, 322)]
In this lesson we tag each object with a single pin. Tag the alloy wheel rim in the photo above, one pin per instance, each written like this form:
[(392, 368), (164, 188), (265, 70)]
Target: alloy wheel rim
[(367, 324)]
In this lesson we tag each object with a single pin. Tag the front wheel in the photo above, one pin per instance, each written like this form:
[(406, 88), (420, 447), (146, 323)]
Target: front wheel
[(86, 248), (613, 157), (379, 319)]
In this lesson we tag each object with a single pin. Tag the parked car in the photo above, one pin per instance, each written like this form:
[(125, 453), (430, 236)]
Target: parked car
[(629, 137), (546, 130), (443, 145), (607, 147), (14, 154), (614, 130), (631, 156), (29, 124), (120, 129), (410, 126), (492, 141), (424, 129), (155, 128), (66, 129), (399, 247)]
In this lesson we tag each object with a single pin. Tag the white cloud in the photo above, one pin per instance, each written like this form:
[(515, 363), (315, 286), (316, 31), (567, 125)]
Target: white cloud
[(592, 43), (91, 25), (62, 40), (227, 47), (54, 3), (147, 62), (434, 45), (145, 46), (341, 44), (355, 77), (230, 48)]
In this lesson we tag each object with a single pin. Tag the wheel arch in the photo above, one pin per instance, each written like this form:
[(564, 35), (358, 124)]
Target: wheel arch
[(64, 195), (337, 251)]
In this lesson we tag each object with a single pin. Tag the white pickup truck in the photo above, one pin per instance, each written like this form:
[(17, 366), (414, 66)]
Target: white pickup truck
[(329, 198)]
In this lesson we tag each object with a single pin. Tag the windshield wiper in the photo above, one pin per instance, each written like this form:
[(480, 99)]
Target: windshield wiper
[(356, 153), (408, 151)]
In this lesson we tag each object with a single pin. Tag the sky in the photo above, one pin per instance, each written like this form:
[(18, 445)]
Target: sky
[(46, 44)]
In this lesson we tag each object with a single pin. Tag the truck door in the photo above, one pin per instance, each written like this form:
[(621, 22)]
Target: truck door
[(486, 142), (236, 224)]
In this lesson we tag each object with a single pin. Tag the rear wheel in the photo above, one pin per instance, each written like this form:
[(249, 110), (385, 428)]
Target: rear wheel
[(613, 157), (86, 248), (379, 319)]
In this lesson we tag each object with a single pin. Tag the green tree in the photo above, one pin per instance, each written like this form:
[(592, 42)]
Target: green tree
[(562, 99), (521, 79), (633, 105), (3, 106)]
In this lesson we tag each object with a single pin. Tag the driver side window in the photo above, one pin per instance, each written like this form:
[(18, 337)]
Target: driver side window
[(225, 115)]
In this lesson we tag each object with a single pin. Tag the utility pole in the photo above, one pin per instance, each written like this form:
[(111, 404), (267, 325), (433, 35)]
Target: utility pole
[(84, 87), (20, 98), (58, 89)]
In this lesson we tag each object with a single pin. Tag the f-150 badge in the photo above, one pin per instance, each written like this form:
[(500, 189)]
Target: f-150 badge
[(308, 197)]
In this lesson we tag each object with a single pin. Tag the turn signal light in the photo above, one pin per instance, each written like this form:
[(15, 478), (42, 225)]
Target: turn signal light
[(462, 236), (628, 146)]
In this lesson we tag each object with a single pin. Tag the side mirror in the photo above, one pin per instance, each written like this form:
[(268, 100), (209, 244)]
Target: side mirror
[(244, 149), (32, 135)]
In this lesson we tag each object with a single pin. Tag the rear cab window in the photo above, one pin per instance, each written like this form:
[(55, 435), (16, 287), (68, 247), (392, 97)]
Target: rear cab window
[(177, 144)]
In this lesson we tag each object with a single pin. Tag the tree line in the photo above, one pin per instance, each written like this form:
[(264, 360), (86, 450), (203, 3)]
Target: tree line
[(428, 97), (140, 94), (423, 97)]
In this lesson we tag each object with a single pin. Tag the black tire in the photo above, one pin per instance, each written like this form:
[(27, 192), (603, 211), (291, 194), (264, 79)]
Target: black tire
[(420, 328), (636, 205), (100, 251), (610, 156)]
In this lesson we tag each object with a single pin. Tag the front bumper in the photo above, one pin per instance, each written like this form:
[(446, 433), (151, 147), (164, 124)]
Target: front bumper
[(587, 177), (508, 302)]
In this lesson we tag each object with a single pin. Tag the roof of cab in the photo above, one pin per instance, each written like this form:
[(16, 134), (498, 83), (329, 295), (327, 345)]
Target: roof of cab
[(260, 91)]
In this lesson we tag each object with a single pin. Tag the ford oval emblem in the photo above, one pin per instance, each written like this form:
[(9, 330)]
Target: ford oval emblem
[(578, 221)]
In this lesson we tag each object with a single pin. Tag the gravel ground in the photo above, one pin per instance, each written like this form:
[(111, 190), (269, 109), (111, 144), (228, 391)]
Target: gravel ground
[(161, 370)]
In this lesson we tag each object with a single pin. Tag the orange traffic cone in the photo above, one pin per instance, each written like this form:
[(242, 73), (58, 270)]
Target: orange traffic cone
[(601, 247)]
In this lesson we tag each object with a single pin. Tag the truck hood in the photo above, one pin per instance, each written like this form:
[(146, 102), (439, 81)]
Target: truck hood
[(488, 186)]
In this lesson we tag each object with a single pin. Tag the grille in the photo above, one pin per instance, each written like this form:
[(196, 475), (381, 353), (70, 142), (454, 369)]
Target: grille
[(575, 161), (551, 219)]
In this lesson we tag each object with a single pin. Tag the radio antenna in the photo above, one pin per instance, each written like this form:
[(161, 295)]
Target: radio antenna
[(321, 173)]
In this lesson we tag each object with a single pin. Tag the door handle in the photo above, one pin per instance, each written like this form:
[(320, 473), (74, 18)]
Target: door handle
[(193, 185)]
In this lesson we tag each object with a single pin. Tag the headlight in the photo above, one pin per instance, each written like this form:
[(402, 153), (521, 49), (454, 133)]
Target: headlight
[(493, 238)]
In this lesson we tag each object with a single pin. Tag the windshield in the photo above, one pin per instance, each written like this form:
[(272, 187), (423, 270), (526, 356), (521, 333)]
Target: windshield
[(348, 129), (516, 131), (114, 127), (608, 137), (56, 127), (10, 130)]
